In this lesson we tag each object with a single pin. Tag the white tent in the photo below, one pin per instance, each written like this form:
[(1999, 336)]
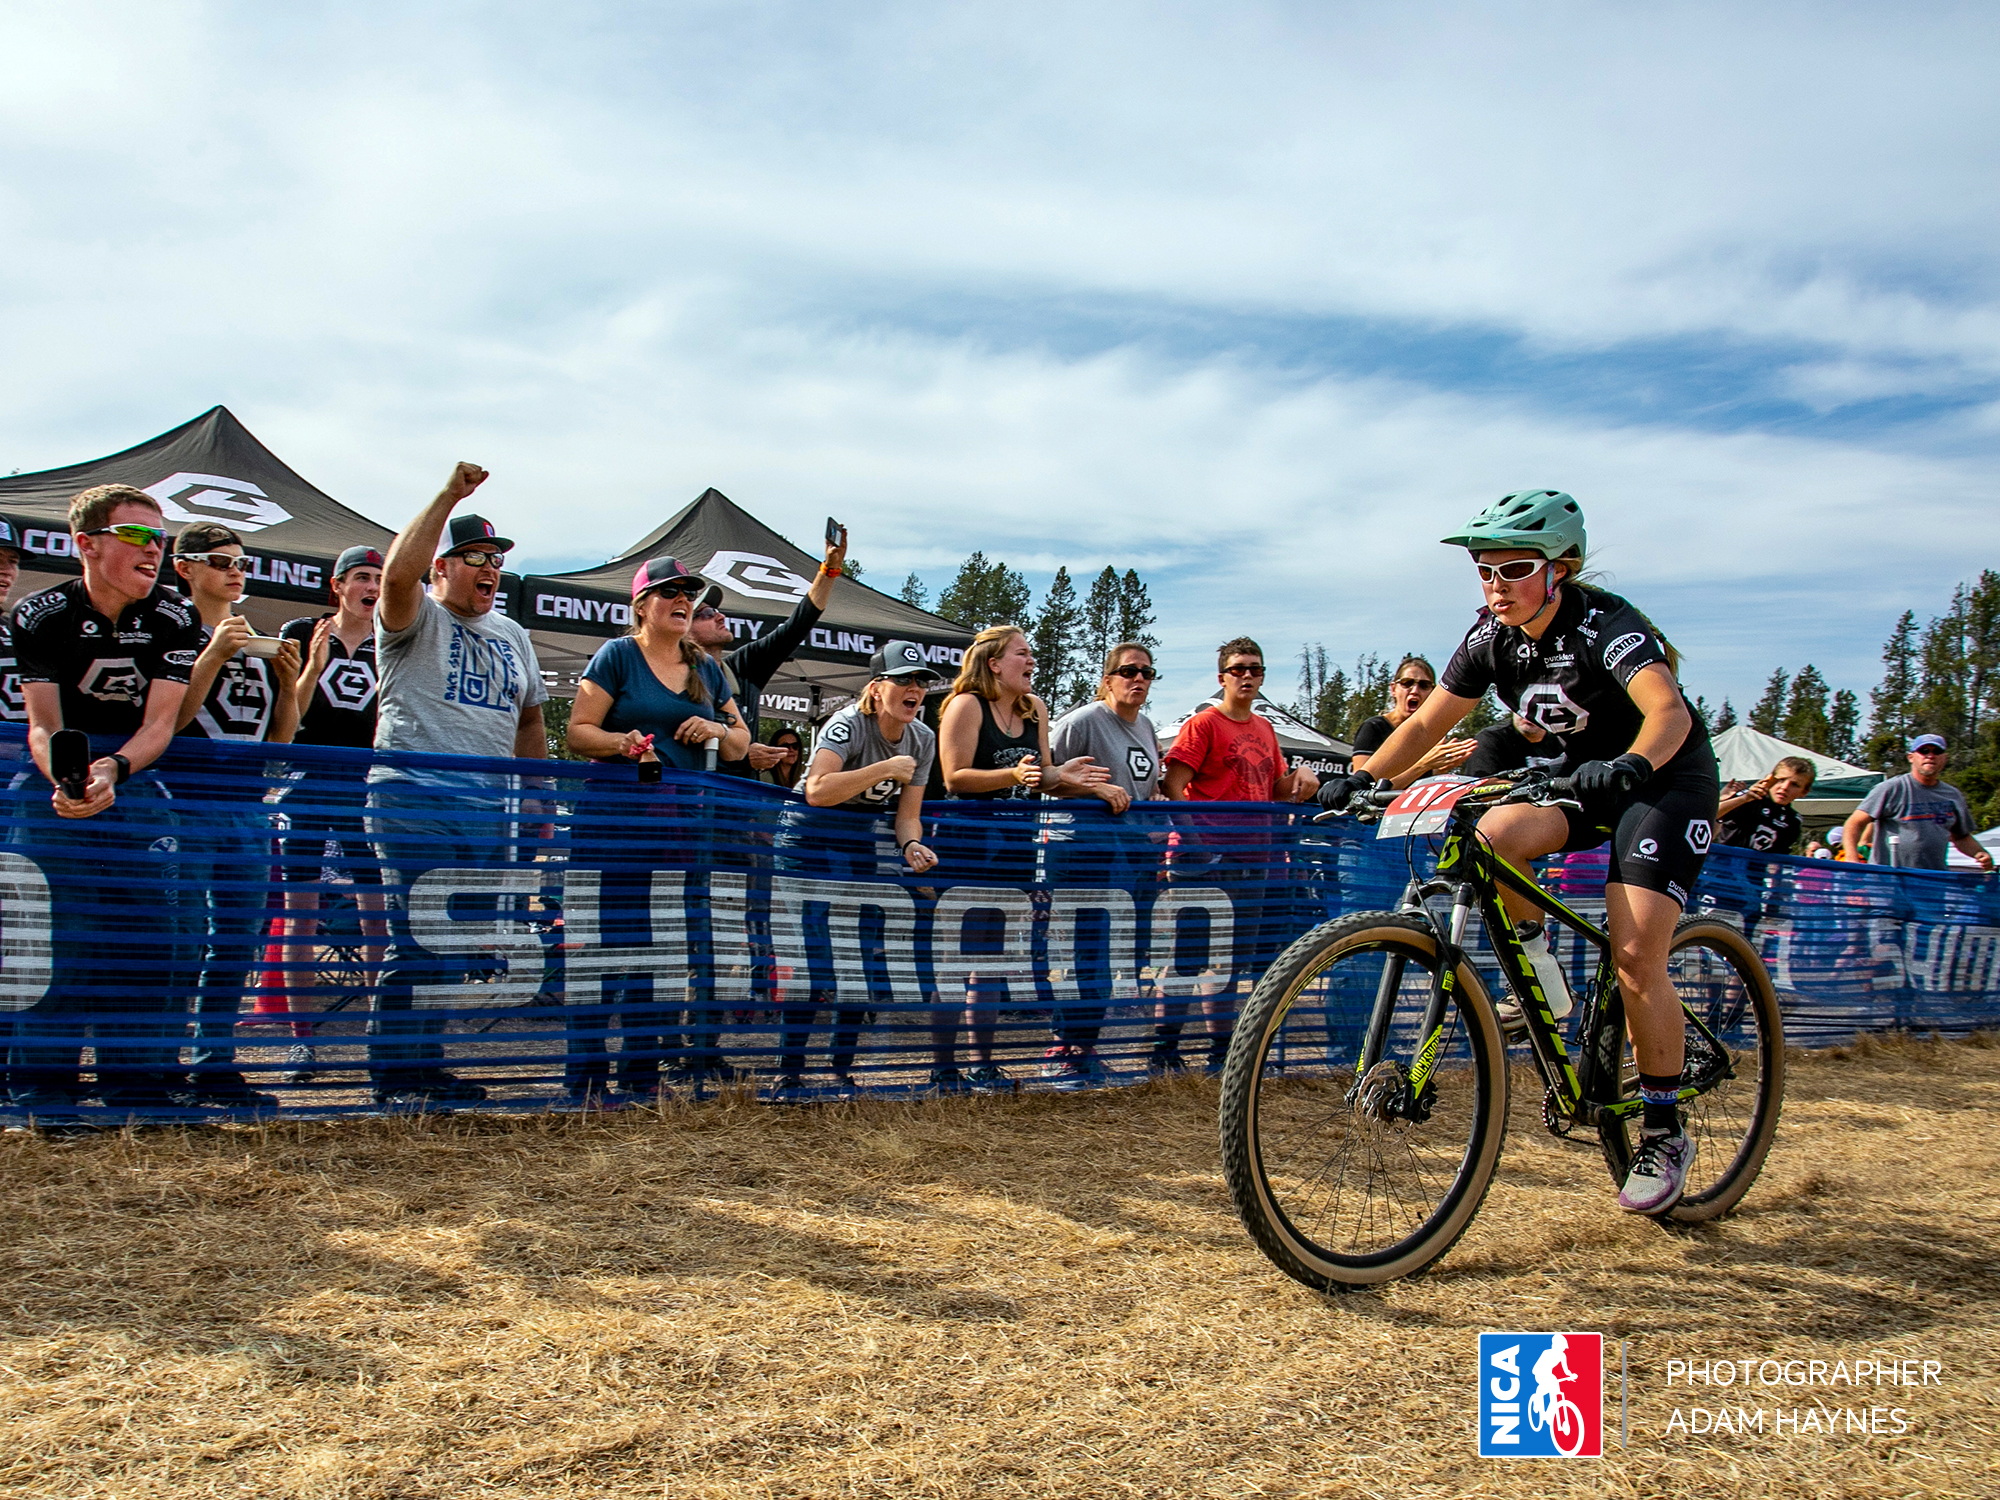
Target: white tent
[(1303, 745), (1746, 754)]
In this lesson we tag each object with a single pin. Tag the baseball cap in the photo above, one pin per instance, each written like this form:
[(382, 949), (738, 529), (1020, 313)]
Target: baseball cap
[(659, 572), (900, 659), (7, 537), (356, 557), (467, 529), (1833, 837), (1929, 742)]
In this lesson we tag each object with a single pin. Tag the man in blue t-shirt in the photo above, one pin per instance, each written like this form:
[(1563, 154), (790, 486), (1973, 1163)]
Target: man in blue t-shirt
[(1921, 816)]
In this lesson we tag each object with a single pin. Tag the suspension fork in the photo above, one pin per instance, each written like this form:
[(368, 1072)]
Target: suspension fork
[(1443, 987)]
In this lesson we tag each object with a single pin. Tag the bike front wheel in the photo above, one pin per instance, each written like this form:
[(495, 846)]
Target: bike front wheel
[(1343, 1175), (1735, 1054)]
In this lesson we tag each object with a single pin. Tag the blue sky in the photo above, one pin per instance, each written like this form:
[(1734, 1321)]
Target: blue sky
[(1257, 299)]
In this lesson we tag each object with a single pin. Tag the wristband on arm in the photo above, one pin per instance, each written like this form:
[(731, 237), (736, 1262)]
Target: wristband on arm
[(124, 768)]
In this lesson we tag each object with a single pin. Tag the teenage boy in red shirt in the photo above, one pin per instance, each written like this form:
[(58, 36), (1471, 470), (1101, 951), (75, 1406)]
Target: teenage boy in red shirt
[(1229, 753)]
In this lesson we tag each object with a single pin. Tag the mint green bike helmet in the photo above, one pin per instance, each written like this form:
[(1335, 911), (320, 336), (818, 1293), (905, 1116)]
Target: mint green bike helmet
[(1545, 521)]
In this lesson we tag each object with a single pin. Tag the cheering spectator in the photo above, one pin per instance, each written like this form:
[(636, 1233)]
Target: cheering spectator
[(1760, 817), (1923, 815), (13, 710), (993, 738), (872, 757), (1229, 753), (456, 679), (243, 690), (336, 696), (1115, 733), (1415, 680), (108, 654), (650, 694), (748, 667)]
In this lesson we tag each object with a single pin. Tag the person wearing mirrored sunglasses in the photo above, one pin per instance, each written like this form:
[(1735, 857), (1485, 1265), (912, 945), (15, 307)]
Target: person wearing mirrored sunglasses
[(1414, 681), (109, 654), (748, 669)]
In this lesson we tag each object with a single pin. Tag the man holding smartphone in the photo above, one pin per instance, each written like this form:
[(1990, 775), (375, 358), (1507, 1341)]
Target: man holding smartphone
[(748, 667), (108, 654)]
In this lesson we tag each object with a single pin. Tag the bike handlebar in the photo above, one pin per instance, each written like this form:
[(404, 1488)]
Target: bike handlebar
[(1534, 787)]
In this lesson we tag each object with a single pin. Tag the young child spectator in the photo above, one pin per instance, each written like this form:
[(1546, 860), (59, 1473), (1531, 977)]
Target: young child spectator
[(337, 697), (1761, 816), (109, 654), (456, 679), (1229, 753), (242, 690)]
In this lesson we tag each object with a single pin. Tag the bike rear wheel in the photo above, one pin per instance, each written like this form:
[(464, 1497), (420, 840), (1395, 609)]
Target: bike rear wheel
[(1335, 1186), (1725, 986)]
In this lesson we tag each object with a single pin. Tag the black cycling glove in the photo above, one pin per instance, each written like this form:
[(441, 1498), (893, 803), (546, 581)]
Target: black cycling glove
[(1604, 780), (1334, 792)]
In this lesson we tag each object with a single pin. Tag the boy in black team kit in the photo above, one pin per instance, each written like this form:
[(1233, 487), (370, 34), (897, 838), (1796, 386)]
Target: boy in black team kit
[(236, 695), (12, 709), (1760, 817), (108, 653)]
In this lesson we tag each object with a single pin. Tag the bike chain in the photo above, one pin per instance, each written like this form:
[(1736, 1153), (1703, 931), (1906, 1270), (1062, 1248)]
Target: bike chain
[(1554, 1121)]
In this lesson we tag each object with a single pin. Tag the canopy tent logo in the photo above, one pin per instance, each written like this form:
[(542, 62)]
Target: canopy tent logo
[(235, 502), (756, 576)]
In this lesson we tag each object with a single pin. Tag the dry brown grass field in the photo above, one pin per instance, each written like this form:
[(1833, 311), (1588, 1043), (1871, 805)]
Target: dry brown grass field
[(1037, 1296)]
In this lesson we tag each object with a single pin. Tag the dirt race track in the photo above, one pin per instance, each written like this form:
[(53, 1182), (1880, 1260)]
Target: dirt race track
[(1042, 1296)]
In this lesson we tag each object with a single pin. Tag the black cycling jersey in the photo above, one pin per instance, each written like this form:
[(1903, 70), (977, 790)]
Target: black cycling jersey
[(1372, 735), (1762, 825), (240, 701), (104, 669), (13, 708), (1572, 681), (344, 699)]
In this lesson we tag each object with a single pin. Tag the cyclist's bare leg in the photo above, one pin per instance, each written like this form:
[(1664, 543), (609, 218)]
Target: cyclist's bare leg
[(1642, 929), (1520, 835)]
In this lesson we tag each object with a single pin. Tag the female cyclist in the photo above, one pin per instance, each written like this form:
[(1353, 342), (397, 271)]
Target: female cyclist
[(1592, 671), (1414, 682)]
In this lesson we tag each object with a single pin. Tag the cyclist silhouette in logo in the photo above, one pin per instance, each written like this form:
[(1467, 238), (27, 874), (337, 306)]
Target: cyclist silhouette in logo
[(1547, 1406)]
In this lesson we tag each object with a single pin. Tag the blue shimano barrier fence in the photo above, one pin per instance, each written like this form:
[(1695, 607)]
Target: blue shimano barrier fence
[(554, 932)]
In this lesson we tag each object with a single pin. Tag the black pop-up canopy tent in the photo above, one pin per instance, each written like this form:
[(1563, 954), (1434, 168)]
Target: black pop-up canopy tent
[(762, 576), (210, 469)]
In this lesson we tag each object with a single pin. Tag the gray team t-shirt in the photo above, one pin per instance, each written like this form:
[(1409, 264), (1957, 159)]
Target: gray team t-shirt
[(452, 684), (857, 739), (1915, 823), (1132, 751)]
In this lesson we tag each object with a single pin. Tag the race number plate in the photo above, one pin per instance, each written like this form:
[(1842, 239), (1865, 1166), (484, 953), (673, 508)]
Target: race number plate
[(1423, 808)]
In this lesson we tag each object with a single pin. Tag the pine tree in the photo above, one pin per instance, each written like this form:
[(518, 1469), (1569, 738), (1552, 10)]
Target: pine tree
[(1940, 705), (1135, 611), (1892, 698), (851, 568), (1805, 722), (1054, 642), (985, 594), (1725, 717), (1330, 708), (915, 593), (1098, 632), (1370, 694), (1703, 713), (1843, 725), (1770, 710)]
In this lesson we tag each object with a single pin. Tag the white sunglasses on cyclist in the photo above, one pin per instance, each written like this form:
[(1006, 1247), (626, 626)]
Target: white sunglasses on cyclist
[(220, 560), (1520, 570)]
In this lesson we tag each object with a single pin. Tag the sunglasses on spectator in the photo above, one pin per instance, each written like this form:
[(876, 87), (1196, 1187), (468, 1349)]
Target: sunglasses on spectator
[(1415, 682), (132, 534), (1929, 750), (681, 588), (475, 557), (1518, 571), (1131, 670), (221, 560), (1240, 670), (708, 612)]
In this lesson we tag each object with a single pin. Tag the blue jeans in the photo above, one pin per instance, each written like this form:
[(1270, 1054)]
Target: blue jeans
[(113, 888)]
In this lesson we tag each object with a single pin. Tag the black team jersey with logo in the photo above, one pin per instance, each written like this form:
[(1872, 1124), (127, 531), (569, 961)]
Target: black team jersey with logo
[(13, 707), (104, 668), (342, 711), (1572, 681), (1762, 825), (240, 701)]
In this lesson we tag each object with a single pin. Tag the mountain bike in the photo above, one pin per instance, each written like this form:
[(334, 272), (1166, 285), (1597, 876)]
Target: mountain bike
[(1365, 1096)]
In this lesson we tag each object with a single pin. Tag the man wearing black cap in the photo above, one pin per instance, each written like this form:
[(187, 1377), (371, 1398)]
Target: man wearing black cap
[(749, 666), (457, 678), (1922, 815), (12, 709)]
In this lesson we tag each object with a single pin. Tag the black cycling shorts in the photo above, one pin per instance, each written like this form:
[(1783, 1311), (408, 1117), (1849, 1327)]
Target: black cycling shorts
[(1659, 840)]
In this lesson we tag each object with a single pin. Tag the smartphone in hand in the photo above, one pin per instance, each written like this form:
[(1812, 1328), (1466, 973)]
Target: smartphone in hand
[(835, 532), (69, 761)]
